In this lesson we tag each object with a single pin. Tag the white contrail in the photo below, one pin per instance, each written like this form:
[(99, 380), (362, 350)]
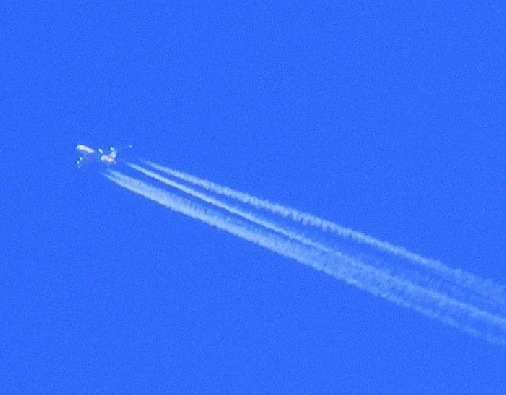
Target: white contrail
[(491, 292), (396, 288), (231, 209), (438, 283)]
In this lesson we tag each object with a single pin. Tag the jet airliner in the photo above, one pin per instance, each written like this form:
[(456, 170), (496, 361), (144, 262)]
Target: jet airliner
[(90, 155)]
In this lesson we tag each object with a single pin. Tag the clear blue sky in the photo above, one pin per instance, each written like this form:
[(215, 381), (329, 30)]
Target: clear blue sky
[(389, 119)]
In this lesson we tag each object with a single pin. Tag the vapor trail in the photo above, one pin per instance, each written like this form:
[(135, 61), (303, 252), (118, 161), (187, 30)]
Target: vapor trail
[(426, 295), (491, 292)]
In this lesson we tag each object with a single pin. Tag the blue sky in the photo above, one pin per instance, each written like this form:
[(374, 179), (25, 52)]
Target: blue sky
[(389, 119)]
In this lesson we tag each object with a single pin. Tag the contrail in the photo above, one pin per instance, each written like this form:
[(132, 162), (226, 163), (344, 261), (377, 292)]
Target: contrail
[(493, 292), (468, 284), (433, 295)]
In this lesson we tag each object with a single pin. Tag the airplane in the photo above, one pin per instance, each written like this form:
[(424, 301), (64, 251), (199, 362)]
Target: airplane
[(90, 155)]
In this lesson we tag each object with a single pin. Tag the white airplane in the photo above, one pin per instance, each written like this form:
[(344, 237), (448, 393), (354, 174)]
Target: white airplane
[(90, 155)]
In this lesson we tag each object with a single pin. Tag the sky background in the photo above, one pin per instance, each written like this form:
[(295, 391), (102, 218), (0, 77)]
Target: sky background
[(385, 118)]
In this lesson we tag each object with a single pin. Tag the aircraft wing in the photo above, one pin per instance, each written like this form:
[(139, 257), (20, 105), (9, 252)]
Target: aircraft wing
[(84, 149), (110, 158), (87, 155)]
